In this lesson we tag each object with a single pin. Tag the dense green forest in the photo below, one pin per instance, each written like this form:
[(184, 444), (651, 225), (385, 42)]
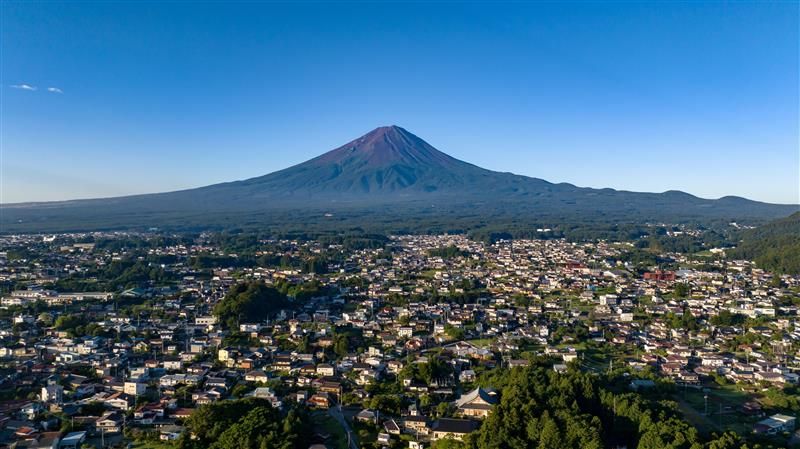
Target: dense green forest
[(457, 215), (540, 408), (118, 275), (251, 301), (447, 252), (774, 246), (245, 424), (256, 301)]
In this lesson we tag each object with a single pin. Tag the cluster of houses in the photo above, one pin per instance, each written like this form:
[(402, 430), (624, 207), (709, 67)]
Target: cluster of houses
[(157, 352)]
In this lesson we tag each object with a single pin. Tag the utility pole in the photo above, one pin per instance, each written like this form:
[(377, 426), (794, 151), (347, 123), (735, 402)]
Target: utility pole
[(186, 332)]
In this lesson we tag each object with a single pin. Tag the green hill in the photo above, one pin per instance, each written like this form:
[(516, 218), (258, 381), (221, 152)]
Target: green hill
[(774, 246)]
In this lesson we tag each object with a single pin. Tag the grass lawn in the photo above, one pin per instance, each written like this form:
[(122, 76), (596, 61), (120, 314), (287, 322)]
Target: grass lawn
[(366, 434), (152, 445), (427, 274), (706, 253), (723, 409), (481, 342), (577, 345), (598, 357), (324, 423)]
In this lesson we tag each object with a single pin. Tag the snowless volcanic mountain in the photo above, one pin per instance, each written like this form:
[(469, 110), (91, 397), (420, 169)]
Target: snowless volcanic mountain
[(387, 161), (388, 173)]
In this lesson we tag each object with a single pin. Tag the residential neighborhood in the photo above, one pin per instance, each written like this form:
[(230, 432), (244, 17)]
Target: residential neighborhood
[(113, 339)]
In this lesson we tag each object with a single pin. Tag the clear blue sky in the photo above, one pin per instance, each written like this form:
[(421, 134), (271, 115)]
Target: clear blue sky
[(155, 96)]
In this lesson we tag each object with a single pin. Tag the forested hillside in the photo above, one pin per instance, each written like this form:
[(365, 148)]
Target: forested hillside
[(774, 246)]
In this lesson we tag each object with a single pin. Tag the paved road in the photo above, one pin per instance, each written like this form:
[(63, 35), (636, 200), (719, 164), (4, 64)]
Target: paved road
[(336, 413)]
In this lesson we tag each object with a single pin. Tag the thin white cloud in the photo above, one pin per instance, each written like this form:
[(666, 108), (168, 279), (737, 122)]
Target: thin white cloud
[(55, 90), (23, 86)]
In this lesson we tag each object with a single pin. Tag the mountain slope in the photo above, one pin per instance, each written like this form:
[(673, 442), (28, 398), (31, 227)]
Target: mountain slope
[(774, 246), (387, 176), (386, 161)]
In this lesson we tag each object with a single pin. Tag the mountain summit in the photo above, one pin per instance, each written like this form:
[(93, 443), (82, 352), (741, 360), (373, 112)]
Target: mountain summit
[(386, 160), (387, 176), (384, 147)]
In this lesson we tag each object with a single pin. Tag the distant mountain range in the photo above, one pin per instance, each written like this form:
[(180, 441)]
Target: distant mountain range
[(387, 175)]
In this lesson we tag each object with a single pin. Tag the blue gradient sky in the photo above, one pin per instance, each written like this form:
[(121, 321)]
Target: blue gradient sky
[(700, 97)]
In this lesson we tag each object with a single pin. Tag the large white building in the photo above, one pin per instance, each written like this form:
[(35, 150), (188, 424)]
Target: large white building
[(134, 388)]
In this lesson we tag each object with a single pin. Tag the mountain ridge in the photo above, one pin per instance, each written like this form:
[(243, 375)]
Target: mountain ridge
[(387, 168)]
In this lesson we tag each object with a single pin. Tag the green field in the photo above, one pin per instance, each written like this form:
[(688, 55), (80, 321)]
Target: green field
[(324, 423), (724, 413), (152, 445)]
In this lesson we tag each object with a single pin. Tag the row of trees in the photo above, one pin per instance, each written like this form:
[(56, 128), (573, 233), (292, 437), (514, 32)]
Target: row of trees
[(308, 264), (447, 252), (116, 276)]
